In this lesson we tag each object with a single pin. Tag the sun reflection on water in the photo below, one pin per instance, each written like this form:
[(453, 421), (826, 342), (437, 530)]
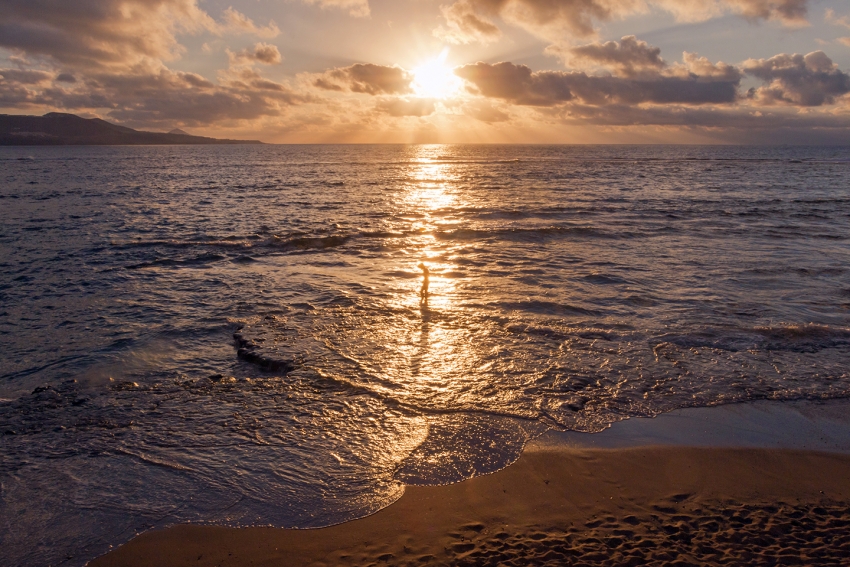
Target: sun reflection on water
[(430, 354)]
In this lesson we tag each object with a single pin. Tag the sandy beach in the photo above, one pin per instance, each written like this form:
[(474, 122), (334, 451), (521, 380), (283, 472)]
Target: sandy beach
[(633, 506)]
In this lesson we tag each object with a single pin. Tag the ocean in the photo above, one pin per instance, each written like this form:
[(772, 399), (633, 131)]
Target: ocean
[(237, 335)]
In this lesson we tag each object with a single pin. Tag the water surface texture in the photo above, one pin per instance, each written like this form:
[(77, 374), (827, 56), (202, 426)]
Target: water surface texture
[(236, 335)]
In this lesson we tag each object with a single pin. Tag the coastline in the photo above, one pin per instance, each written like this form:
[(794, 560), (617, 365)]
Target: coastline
[(725, 489)]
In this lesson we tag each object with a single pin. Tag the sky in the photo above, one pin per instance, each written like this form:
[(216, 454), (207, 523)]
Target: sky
[(438, 71)]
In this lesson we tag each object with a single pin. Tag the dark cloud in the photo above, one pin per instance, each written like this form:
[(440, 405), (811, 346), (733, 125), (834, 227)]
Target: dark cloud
[(519, 85), (66, 78), (810, 80), (24, 76), (628, 57), (366, 78), (407, 107)]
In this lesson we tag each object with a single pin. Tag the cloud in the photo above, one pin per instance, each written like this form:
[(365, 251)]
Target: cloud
[(99, 32), (260, 53), (810, 80), (25, 76), (468, 21), (465, 25), (628, 57), (366, 78), (356, 8), (797, 80), (788, 12), (471, 20), (111, 33), (407, 107), (520, 85), (108, 57), (831, 17), (236, 22), (693, 65), (836, 20)]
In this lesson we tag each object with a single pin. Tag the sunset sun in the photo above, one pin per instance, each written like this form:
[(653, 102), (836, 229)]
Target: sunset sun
[(435, 79)]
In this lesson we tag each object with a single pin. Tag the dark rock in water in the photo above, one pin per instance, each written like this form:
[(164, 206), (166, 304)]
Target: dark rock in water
[(246, 350), (41, 389), (265, 363)]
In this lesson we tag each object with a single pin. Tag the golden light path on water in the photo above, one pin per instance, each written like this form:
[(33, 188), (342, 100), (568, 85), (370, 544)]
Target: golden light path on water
[(433, 354)]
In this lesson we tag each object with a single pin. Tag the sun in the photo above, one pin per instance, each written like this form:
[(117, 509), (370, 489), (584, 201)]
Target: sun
[(435, 79)]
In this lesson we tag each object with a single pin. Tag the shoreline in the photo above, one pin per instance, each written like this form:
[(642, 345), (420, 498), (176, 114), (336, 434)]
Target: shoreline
[(693, 494), (558, 507), (813, 425)]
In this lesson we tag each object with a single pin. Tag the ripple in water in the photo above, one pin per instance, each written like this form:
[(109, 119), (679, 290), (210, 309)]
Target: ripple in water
[(235, 335)]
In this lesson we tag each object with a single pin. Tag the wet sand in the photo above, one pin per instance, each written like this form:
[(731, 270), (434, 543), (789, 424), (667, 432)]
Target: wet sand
[(567, 506)]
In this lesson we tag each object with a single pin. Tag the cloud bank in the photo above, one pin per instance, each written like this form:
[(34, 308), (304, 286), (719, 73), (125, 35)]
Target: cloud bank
[(518, 84)]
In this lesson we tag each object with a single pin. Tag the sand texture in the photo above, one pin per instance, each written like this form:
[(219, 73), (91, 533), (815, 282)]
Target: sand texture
[(657, 506)]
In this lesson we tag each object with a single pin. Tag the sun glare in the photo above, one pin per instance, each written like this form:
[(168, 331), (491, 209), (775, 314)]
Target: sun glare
[(435, 79)]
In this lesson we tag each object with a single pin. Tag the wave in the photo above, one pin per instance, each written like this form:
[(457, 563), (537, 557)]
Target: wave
[(809, 338), (543, 308), (304, 242), (529, 233), (201, 260)]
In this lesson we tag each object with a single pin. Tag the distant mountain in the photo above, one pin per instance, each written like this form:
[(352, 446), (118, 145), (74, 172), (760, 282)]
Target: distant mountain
[(59, 129)]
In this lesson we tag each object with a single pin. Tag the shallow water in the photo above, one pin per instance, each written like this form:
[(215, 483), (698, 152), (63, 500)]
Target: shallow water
[(236, 334)]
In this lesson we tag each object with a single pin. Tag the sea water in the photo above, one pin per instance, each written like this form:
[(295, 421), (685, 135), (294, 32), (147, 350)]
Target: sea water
[(237, 335)]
